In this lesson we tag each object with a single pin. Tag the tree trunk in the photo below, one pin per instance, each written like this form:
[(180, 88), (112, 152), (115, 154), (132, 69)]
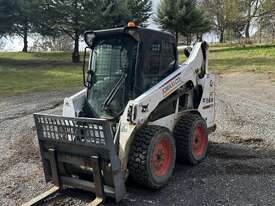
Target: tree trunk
[(177, 37), (25, 39), (199, 37), (260, 34), (222, 36), (273, 35), (247, 29), (76, 55), (189, 39)]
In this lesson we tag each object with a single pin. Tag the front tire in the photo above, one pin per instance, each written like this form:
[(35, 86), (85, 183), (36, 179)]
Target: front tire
[(152, 157), (191, 137)]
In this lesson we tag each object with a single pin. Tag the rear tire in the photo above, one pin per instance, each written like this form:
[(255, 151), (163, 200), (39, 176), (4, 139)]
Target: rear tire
[(152, 157), (191, 139)]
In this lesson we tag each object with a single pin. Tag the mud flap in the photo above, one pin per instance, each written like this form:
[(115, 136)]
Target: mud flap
[(84, 143)]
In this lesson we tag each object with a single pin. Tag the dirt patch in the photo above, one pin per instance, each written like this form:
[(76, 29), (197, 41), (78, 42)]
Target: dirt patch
[(238, 138), (24, 150)]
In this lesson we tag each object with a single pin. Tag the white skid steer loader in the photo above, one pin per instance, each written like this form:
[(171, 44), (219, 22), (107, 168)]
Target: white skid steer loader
[(139, 113)]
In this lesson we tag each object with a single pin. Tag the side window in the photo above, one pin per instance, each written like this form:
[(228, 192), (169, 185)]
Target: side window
[(152, 68), (155, 49), (167, 59), (167, 48), (159, 61)]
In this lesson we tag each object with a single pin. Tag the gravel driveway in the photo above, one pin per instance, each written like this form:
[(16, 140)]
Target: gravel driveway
[(240, 169)]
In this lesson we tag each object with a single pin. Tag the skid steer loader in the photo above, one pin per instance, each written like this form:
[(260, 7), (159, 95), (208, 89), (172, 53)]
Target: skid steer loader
[(139, 113)]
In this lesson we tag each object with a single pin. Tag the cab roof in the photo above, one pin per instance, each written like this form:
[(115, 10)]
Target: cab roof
[(142, 35)]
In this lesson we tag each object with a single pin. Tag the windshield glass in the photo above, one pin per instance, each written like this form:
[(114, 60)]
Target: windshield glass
[(111, 60)]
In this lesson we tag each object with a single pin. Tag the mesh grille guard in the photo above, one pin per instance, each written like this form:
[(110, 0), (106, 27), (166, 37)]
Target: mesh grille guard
[(90, 132), (81, 142)]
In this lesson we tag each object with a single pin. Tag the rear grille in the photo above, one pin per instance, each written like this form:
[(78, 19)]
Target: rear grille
[(82, 130)]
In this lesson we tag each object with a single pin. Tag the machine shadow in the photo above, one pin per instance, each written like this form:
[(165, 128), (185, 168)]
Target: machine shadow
[(224, 159), (232, 159)]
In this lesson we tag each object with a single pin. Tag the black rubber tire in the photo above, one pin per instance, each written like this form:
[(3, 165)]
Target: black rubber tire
[(183, 134), (139, 164)]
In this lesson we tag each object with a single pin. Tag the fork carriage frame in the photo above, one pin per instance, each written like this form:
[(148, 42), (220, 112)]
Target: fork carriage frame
[(80, 142)]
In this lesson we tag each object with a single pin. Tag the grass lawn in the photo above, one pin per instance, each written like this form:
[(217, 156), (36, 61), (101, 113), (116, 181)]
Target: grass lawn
[(235, 58), (22, 73), (253, 58)]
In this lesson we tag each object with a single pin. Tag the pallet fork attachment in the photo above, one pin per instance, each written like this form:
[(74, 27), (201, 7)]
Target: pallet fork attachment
[(42, 197), (56, 182), (80, 142)]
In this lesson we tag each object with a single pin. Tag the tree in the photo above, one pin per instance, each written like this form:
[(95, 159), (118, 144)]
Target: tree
[(228, 16), (49, 43), (235, 17), (238, 16), (17, 18), (6, 16), (252, 9), (63, 17), (266, 19), (114, 13), (182, 17), (23, 19), (2, 43), (140, 11), (198, 23), (217, 9), (73, 17)]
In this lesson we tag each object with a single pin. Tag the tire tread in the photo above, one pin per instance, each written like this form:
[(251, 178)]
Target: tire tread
[(182, 133), (137, 163)]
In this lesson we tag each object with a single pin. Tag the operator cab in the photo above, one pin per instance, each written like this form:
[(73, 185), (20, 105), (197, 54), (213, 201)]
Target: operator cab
[(124, 63)]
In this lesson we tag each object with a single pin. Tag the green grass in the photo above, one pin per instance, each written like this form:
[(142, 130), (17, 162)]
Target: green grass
[(35, 72), (250, 58), (50, 56), (253, 58)]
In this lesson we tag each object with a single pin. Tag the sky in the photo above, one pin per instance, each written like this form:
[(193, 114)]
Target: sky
[(155, 5)]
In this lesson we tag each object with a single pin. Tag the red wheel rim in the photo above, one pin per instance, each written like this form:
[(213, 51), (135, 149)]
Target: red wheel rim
[(161, 157), (198, 142)]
